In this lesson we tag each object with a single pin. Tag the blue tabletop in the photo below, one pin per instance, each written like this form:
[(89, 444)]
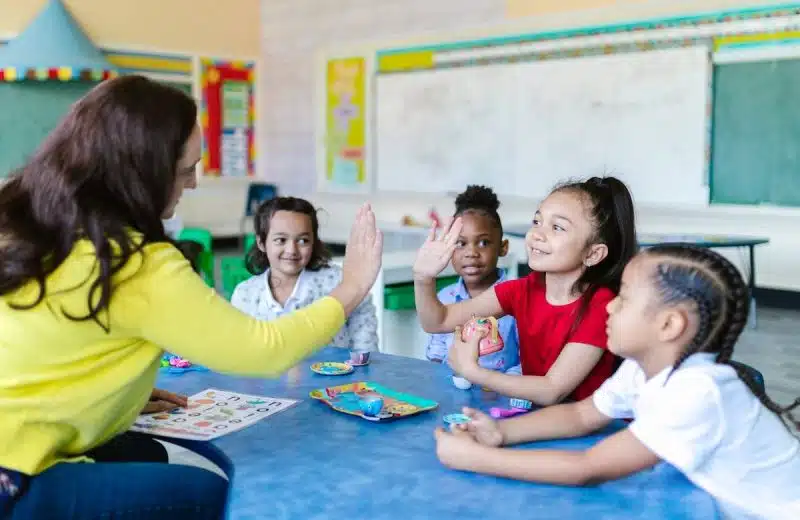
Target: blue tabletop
[(311, 462), (651, 239)]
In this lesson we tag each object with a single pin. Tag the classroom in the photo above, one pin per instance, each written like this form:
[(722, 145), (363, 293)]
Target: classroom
[(305, 111)]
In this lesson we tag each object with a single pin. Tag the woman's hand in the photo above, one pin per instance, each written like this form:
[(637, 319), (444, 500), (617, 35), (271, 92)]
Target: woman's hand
[(362, 260), (483, 428), (463, 355), (163, 401), (435, 253)]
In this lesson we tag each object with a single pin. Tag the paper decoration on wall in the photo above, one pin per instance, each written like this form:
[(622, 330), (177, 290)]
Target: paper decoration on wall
[(345, 136), (53, 47), (227, 114)]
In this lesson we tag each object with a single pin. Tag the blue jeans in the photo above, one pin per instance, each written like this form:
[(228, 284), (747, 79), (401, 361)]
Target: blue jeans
[(124, 484)]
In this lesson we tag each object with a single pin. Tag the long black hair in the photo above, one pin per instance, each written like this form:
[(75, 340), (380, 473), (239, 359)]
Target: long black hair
[(721, 297), (109, 167), (614, 222), (257, 261)]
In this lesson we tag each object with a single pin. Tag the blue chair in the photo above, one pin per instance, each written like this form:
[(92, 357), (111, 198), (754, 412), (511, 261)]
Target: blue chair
[(757, 376)]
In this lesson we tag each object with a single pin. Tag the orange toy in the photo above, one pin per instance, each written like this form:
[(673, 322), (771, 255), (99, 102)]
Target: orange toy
[(492, 342)]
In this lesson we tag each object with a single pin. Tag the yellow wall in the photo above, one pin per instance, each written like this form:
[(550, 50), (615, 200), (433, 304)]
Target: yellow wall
[(209, 27), (621, 10)]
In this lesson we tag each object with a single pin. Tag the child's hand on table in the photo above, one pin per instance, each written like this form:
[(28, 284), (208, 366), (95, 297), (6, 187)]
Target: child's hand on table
[(456, 449), (463, 355), (482, 428), (163, 401), (435, 253)]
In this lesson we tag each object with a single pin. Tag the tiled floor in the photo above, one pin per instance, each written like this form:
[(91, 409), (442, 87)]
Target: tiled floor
[(774, 349)]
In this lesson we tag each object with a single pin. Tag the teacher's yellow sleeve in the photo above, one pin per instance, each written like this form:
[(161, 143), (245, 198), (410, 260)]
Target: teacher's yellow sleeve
[(165, 303)]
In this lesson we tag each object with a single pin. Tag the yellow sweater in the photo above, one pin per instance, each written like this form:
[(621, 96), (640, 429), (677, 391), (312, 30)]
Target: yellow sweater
[(67, 386)]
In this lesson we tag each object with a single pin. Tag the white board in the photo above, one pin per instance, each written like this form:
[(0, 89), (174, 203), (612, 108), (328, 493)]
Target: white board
[(524, 127)]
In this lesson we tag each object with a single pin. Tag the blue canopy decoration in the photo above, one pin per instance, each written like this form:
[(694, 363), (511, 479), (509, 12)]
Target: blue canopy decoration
[(53, 47)]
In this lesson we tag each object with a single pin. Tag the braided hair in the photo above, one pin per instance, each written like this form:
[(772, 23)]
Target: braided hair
[(688, 273), (481, 200)]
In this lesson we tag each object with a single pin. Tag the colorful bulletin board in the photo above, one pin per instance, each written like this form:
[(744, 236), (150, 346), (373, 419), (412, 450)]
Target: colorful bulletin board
[(228, 116), (345, 128)]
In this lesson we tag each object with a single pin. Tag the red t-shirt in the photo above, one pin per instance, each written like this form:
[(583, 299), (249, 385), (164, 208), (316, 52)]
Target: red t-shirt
[(544, 329)]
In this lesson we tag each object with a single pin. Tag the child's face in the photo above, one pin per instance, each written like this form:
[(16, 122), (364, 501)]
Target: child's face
[(632, 324), (289, 242), (478, 248), (557, 241)]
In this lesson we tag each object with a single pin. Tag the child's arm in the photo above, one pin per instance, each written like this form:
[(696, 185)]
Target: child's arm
[(435, 317), (617, 456), (573, 365), (553, 422), (363, 327)]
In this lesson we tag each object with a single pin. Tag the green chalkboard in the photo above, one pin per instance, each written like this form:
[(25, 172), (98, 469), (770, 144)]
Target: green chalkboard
[(30, 110), (755, 157)]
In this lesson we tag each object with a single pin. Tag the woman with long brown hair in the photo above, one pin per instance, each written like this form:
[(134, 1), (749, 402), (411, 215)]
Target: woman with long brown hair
[(92, 289)]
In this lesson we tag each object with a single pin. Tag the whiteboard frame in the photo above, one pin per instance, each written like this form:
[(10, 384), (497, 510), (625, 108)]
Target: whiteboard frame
[(465, 41)]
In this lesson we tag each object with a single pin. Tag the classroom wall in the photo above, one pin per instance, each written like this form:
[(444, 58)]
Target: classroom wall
[(294, 32), (209, 27)]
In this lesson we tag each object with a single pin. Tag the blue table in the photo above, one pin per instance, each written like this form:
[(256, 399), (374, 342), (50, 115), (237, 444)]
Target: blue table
[(310, 462), (710, 241)]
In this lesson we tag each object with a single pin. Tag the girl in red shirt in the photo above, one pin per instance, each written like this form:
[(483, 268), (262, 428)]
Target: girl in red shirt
[(583, 235)]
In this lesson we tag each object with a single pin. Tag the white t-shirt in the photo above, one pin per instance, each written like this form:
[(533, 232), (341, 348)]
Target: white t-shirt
[(705, 421)]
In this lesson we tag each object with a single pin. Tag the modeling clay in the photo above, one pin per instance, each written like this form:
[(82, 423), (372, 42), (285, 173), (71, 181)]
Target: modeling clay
[(490, 343)]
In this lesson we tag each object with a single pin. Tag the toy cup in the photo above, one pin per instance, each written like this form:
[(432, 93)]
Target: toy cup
[(461, 383), (358, 359), (490, 343), (371, 406)]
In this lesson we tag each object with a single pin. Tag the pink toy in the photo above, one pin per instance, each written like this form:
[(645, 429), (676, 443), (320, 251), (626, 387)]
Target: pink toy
[(492, 342), (179, 362), (502, 413)]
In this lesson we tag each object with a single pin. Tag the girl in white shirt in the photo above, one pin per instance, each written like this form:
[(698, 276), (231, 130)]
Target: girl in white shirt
[(292, 269), (679, 313)]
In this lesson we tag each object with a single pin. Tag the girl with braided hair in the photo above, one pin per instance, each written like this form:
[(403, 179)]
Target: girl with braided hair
[(679, 313)]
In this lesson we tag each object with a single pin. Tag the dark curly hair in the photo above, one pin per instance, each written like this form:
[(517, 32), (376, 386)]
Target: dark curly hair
[(481, 200)]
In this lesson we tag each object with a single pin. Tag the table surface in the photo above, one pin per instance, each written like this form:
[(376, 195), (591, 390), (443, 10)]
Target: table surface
[(311, 462), (650, 239)]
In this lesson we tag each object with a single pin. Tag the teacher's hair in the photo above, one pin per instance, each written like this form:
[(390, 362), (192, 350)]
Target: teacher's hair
[(109, 167)]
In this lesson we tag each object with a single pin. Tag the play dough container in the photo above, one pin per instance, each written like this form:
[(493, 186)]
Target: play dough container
[(492, 342)]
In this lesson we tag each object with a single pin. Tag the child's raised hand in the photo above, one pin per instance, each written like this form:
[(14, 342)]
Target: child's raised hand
[(362, 257), (435, 253), (483, 428)]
